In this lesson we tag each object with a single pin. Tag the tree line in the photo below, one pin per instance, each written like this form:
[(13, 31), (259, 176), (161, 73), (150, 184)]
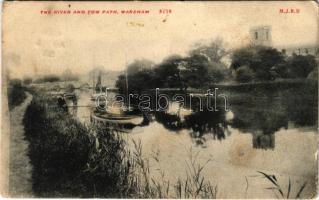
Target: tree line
[(260, 63), (205, 65)]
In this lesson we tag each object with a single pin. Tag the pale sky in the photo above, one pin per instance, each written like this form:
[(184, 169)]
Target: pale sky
[(52, 43)]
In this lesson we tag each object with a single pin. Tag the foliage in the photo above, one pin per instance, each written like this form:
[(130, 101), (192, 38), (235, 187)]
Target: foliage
[(313, 74), (260, 61), (138, 76), (202, 67), (195, 72), (244, 74), (167, 73), (300, 66), (70, 159), (47, 78), (70, 88), (140, 81), (139, 65), (16, 93), (27, 81), (214, 52)]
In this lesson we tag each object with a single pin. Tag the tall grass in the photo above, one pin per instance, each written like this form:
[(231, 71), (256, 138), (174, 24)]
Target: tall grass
[(70, 159), (278, 189), (193, 185)]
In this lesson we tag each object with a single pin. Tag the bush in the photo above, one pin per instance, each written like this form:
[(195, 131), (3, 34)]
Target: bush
[(70, 88), (300, 66), (27, 81), (16, 93), (244, 74), (70, 159), (313, 74), (259, 59)]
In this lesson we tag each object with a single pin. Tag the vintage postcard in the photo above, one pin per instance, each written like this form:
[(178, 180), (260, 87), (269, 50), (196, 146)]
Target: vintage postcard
[(213, 99)]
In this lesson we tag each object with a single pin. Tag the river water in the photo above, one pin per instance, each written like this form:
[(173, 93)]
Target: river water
[(272, 132)]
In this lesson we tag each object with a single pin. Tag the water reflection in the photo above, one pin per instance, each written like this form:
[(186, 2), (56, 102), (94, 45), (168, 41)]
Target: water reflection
[(169, 121), (263, 141), (260, 114), (200, 123), (262, 117), (208, 122)]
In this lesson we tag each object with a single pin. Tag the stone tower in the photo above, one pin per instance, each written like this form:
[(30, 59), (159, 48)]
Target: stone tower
[(261, 35)]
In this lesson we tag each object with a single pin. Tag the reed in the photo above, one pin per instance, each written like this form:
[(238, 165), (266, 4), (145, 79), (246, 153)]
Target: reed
[(70, 159), (278, 189), (193, 185)]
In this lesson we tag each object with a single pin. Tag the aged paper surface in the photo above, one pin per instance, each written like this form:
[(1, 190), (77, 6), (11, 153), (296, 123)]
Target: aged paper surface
[(159, 99)]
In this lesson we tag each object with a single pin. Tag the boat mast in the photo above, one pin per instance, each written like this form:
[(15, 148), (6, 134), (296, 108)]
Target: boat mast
[(126, 81), (93, 74)]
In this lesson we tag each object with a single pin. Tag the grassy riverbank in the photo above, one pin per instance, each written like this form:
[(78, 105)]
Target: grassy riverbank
[(70, 159)]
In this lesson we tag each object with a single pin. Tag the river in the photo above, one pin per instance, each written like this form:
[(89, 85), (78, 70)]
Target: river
[(274, 132)]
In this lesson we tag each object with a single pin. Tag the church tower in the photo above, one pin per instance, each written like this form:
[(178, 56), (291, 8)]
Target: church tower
[(261, 35)]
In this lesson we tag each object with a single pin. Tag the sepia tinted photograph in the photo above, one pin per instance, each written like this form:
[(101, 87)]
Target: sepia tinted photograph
[(159, 100)]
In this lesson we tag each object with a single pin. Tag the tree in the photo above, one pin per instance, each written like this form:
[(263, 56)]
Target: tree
[(121, 83), (214, 52), (140, 81), (200, 68), (260, 60), (16, 93), (266, 59), (167, 73), (139, 77), (313, 74), (205, 64), (300, 66), (195, 73), (139, 65), (244, 74)]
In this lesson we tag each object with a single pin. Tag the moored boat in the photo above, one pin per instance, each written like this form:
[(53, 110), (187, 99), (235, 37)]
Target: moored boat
[(119, 122)]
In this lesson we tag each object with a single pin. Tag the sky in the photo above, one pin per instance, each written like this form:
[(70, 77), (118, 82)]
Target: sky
[(38, 44)]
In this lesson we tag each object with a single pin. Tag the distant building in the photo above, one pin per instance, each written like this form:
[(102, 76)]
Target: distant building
[(261, 35), (301, 50)]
